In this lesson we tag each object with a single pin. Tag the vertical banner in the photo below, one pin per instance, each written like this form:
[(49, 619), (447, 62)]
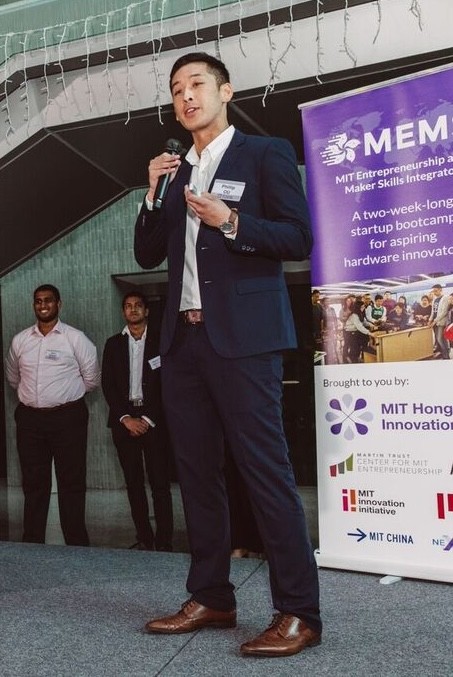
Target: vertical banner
[(379, 167)]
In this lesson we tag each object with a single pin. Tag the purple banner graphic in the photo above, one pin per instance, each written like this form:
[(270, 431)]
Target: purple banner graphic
[(380, 180)]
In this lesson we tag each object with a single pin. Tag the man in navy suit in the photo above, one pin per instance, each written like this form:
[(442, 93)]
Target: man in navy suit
[(233, 212), (131, 386)]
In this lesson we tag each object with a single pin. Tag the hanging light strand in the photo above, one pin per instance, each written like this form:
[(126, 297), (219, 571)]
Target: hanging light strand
[(416, 10), (5, 106), (319, 49), (274, 64), (346, 47), (108, 56), (242, 35), (25, 96), (379, 13)]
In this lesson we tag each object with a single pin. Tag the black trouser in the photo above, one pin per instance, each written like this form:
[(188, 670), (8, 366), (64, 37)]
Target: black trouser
[(59, 434), (209, 399), (154, 451)]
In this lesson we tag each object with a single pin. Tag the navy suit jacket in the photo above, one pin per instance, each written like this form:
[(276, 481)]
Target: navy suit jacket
[(243, 292), (115, 378)]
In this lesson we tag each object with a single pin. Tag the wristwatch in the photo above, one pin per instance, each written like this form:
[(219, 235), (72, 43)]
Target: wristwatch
[(229, 227)]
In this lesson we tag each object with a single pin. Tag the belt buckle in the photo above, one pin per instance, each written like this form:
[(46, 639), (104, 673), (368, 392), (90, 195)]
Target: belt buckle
[(193, 316)]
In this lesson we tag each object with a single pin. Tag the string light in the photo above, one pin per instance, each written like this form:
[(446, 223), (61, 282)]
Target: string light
[(129, 63), (5, 106), (24, 85), (106, 72), (274, 64), (346, 47), (319, 50), (242, 35), (87, 61), (56, 37), (60, 61), (195, 22), (416, 10), (379, 12)]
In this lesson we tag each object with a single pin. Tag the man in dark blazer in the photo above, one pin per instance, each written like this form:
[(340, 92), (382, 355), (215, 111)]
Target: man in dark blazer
[(131, 386), (234, 211)]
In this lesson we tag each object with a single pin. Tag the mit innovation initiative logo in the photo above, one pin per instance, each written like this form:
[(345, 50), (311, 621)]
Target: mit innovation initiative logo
[(348, 416), (339, 148)]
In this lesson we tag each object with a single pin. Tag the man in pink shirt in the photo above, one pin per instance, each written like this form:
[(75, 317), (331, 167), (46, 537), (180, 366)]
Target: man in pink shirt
[(52, 366)]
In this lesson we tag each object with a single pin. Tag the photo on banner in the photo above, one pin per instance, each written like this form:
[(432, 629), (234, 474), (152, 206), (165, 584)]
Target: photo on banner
[(379, 171)]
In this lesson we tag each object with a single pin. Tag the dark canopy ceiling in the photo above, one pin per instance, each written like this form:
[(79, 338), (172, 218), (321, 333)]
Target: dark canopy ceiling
[(63, 176)]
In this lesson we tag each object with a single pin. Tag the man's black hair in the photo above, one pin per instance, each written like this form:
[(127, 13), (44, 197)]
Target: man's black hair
[(136, 294), (48, 287), (214, 66)]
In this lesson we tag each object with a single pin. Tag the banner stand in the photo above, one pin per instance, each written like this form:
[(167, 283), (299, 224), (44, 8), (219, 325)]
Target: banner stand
[(379, 176)]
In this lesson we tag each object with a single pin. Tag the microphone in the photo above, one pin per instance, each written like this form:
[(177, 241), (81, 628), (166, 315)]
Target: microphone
[(174, 147)]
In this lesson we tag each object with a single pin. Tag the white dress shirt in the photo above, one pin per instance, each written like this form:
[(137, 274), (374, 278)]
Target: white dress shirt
[(54, 369), (204, 167), (136, 354)]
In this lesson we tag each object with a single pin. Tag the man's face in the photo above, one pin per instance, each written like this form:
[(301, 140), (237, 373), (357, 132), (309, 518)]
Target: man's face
[(315, 298), (198, 101), (378, 302), (366, 299), (436, 291), (46, 306), (134, 310)]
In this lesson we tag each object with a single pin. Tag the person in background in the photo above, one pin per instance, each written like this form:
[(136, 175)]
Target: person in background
[(330, 332), (356, 331), (422, 311), (52, 365), (318, 319), (438, 321), (397, 319), (345, 312), (131, 386), (234, 211), (376, 313), (389, 303)]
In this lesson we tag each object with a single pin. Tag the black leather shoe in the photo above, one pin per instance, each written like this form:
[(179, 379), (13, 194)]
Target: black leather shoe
[(191, 617), (286, 635), (141, 546)]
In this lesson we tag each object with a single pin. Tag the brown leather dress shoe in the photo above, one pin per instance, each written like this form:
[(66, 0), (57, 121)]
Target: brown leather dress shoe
[(285, 636), (192, 616)]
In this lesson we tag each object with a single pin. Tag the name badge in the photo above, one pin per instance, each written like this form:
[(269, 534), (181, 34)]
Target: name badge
[(154, 362), (228, 190), (52, 355)]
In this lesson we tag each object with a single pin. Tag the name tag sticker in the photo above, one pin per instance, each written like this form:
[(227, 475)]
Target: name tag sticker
[(228, 190), (154, 362), (52, 355)]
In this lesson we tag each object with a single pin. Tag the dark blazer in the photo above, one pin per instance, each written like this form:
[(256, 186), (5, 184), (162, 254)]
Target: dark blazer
[(243, 291), (115, 378)]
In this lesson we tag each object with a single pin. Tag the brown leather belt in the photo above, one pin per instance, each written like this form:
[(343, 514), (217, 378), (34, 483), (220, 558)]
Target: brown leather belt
[(192, 316)]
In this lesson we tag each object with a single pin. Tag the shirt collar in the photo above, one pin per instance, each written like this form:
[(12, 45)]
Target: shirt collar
[(57, 328), (215, 148), (126, 330)]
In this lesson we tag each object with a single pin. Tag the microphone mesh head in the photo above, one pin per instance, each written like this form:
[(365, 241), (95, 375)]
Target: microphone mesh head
[(173, 146)]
